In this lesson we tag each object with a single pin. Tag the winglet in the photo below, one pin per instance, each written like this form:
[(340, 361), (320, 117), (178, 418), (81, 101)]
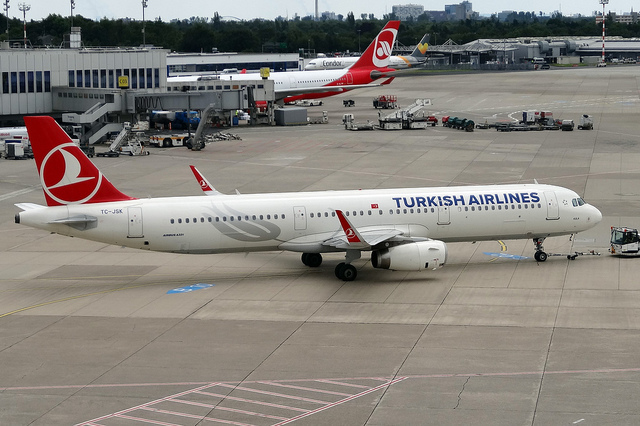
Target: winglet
[(353, 236), (204, 183)]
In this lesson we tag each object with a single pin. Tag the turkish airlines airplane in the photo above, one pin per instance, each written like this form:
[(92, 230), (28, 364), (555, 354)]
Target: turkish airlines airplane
[(417, 57), (404, 228), (371, 69)]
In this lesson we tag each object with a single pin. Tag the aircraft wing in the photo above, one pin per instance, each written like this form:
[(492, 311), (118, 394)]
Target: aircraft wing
[(364, 239), (371, 237)]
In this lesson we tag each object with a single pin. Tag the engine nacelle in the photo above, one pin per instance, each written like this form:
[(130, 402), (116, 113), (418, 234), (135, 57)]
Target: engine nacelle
[(411, 257)]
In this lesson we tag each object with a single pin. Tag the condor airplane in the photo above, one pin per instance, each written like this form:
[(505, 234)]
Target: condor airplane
[(371, 69), (404, 228), (396, 62)]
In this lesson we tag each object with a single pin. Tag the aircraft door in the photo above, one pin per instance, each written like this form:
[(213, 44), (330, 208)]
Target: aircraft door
[(444, 215), (553, 211), (135, 222), (349, 78), (299, 218), (293, 83)]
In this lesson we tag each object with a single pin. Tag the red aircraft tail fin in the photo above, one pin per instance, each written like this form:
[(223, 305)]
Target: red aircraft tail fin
[(66, 174), (378, 52)]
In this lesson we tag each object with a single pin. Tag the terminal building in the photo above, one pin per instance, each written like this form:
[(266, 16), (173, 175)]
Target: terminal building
[(98, 89)]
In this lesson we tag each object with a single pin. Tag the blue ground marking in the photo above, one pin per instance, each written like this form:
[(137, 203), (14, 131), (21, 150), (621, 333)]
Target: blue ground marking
[(506, 255), (189, 288)]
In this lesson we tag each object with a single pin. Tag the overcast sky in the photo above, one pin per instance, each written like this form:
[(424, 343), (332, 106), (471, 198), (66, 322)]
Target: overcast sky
[(250, 9)]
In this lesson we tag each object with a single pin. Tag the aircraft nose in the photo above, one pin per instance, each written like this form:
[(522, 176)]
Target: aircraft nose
[(595, 216)]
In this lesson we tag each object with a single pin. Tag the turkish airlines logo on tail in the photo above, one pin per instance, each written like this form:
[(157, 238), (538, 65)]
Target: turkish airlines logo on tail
[(63, 179), (384, 46)]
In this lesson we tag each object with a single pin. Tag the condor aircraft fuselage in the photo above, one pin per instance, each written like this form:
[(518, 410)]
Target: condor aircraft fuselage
[(404, 228)]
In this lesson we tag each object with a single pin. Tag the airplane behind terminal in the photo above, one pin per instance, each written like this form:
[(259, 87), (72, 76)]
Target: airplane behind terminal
[(404, 228), (370, 69), (417, 57)]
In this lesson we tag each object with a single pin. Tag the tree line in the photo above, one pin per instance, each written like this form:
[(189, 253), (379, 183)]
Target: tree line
[(288, 36)]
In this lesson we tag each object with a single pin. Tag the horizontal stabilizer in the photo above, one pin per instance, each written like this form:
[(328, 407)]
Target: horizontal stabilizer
[(29, 206)]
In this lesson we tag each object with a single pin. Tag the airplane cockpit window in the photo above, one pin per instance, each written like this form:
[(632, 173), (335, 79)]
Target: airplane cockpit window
[(577, 202)]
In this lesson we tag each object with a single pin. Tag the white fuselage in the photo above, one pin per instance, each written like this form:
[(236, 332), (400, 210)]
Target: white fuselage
[(282, 80), (303, 221), (396, 62)]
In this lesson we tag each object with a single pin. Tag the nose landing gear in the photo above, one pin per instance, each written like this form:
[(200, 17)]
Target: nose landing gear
[(540, 254)]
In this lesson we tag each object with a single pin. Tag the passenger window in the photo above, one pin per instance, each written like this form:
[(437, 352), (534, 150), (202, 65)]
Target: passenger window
[(172, 221), (186, 220)]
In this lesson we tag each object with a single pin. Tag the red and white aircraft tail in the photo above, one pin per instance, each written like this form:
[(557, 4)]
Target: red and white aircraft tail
[(66, 174), (378, 53)]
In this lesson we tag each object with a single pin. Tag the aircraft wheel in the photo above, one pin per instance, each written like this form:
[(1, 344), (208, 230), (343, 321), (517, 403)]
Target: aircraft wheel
[(346, 272), (540, 256), (338, 270)]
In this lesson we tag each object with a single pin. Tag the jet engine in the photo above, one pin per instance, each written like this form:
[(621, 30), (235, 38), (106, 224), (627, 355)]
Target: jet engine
[(416, 256)]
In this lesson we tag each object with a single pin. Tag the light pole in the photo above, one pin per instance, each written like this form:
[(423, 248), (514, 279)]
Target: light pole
[(23, 7), (6, 15), (603, 3), (144, 35), (73, 6), (359, 50)]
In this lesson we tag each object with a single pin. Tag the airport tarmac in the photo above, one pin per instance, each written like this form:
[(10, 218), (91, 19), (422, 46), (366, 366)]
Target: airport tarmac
[(90, 334)]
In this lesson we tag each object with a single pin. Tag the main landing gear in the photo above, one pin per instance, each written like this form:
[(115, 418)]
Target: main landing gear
[(540, 255), (312, 260), (345, 271)]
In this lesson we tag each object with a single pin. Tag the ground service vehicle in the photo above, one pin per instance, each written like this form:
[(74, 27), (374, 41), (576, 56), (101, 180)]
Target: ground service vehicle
[(174, 120), (385, 102), (586, 122), (624, 241)]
